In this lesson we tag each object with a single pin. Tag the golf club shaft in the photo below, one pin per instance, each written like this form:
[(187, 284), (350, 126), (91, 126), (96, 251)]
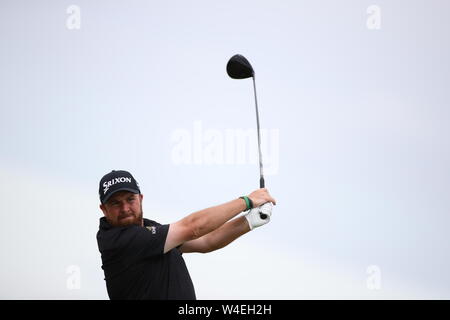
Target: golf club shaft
[(261, 180), (261, 174)]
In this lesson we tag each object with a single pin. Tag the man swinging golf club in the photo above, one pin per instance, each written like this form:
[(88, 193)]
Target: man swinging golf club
[(142, 259)]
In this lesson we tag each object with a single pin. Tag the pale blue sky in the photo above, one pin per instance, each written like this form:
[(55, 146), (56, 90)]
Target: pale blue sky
[(361, 145)]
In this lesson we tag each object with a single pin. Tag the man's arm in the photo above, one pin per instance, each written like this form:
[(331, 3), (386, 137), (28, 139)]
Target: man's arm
[(218, 238), (202, 222)]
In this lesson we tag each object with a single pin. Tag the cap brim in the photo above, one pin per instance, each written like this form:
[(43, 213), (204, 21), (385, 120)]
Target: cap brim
[(120, 189)]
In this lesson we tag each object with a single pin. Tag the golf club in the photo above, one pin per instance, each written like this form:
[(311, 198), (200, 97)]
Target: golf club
[(238, 67)]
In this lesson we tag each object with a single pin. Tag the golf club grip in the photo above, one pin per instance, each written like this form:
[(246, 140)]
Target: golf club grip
[(261, 185)]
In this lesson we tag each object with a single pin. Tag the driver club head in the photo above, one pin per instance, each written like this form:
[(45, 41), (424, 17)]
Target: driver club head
[(238, 67)]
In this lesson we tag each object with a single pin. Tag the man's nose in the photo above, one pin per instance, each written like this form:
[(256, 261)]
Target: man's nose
[(125, 207)]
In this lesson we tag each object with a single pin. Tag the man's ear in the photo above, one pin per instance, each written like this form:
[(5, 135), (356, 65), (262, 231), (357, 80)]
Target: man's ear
[(141, 196), (102, 207)]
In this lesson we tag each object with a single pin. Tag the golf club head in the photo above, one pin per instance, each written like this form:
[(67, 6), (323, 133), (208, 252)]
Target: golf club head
[(239, 68)]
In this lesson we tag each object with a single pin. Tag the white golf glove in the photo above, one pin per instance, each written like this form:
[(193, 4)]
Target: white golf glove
[(253, 216)]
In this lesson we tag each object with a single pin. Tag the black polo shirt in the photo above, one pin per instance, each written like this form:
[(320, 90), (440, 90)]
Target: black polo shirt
[(136, 267)]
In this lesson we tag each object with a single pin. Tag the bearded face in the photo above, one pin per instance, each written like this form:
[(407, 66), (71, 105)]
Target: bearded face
[(123, 208)]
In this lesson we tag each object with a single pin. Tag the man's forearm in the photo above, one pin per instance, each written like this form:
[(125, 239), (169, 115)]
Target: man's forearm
[(210, 219), (226, 234)]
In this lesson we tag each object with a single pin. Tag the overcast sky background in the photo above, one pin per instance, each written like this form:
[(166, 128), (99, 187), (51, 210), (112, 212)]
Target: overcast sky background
[(356, 140)]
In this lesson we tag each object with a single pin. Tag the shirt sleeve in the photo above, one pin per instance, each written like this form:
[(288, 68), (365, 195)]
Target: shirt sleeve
[(145, 242)]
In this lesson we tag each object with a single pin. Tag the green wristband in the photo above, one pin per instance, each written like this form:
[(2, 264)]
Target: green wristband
[(248, 202)]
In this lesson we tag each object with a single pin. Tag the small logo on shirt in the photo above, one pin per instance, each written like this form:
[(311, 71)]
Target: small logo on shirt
[(152, 229)]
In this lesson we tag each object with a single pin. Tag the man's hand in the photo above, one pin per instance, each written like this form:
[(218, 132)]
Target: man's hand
[(260, 197), (254, 218)]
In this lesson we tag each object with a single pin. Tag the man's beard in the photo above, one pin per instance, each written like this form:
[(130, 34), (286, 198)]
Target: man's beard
[(133, 219)]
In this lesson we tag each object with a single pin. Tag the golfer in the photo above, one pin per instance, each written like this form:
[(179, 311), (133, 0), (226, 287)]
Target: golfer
[(142, 259)]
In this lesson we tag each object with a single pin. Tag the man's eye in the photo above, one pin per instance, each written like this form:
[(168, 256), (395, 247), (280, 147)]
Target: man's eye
[(131, 199)]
